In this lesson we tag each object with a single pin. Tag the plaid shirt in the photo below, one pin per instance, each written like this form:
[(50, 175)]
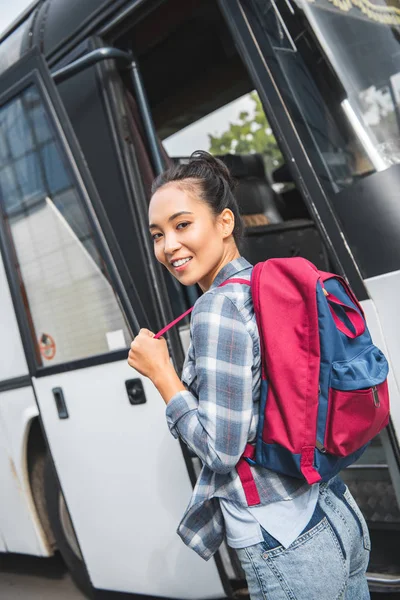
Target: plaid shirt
[(218, 413)]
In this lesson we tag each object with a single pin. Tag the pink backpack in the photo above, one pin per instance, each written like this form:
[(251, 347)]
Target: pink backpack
[(324, 392)]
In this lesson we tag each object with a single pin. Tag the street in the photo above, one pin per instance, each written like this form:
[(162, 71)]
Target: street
[(31, 578)]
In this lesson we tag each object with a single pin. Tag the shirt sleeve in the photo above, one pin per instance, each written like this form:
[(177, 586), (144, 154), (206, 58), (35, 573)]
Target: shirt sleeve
[(216, 424)]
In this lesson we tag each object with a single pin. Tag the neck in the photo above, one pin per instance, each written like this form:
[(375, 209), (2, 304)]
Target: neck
[(230, 255)]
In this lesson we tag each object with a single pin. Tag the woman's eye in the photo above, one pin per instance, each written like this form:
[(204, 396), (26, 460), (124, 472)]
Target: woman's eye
[(182, 225), (156, 236)]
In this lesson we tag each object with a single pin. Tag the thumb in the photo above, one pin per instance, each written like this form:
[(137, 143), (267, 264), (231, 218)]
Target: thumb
[(148, 333)]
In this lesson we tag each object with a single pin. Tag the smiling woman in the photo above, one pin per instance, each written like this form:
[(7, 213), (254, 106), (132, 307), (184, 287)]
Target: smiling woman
[(214, 408)]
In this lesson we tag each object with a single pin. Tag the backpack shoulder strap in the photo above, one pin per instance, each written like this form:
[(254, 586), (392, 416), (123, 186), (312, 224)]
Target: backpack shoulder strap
[(235, 280), (284, 295)]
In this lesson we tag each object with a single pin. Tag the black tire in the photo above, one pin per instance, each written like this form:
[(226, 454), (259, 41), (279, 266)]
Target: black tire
[(63, 531)]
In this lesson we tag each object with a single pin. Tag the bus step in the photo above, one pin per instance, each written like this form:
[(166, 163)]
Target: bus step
[(240, 589), (374, 493), (383, 582)]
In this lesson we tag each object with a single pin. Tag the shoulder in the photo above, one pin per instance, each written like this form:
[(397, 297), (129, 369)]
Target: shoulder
[(229, 299), (224, 312), (215, 303)]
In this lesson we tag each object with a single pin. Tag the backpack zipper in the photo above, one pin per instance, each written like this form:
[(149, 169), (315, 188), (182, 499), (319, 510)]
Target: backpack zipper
[(320, 447), (376, 397)]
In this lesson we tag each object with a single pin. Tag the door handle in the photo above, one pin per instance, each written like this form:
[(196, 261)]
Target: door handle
[(135, 391), (60, 403)]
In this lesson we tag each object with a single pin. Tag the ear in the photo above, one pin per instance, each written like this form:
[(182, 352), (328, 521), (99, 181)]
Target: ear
[(227, 222)]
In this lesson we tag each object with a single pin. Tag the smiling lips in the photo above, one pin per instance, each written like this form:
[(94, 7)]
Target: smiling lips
[(181, 263)]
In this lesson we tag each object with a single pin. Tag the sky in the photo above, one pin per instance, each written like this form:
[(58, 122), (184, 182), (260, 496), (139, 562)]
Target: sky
[(10, 10), (195, 136)]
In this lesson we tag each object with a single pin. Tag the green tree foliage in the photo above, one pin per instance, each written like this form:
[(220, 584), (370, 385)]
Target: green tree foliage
[(251, 133)]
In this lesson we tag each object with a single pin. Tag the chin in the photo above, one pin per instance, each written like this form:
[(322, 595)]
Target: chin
[(187, 282)]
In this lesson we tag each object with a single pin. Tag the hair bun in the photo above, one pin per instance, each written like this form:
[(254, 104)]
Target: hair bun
[(217, 166)]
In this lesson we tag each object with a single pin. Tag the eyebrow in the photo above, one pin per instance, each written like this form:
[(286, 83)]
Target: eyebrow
[(172, 217)]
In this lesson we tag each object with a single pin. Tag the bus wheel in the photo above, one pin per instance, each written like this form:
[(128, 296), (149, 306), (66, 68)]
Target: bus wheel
[(63, 530)]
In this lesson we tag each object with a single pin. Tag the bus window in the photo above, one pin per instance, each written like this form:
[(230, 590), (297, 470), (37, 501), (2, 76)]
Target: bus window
[(11, 47), (72, 308), (343, 93), (336, 68), (240, 135)]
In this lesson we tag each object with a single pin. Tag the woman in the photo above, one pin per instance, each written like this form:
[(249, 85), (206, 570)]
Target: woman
[(301, 542)]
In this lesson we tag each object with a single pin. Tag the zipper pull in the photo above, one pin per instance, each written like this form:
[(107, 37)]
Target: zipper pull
[(376, 397)]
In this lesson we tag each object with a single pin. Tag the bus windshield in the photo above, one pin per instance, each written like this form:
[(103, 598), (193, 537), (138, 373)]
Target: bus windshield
[(341, 66)]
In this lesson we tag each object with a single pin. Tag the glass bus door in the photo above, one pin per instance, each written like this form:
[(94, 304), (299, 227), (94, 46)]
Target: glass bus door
[(123, 477)]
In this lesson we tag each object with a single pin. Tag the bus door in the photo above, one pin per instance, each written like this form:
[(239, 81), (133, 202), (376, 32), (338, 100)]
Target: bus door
[(329, 79), (123, 477)]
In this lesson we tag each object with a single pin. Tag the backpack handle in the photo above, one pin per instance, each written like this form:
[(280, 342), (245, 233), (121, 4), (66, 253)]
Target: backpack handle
[(352, 314), (175, 321)]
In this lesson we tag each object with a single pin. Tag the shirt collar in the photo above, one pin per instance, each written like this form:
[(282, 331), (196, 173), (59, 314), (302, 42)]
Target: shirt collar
[(230, 270)]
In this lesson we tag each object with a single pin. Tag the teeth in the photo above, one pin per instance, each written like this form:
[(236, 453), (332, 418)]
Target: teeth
[(178, 263)]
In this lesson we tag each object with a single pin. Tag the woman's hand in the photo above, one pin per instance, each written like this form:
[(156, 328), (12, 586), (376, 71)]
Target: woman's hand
[(147, 355), (151, 358)]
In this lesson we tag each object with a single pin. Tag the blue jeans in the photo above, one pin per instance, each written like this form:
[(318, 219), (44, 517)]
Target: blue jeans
[(327, 561)]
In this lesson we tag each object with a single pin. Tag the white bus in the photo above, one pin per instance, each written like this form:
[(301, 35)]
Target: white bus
[(88, 90)]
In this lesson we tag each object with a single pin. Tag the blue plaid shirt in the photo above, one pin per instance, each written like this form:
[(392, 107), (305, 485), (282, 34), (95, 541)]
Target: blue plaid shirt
[(218, 413)]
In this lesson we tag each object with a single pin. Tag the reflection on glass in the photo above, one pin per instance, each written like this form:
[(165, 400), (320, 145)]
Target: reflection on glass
[(10, 49), (340, 63), (362, 41), (71, 304)]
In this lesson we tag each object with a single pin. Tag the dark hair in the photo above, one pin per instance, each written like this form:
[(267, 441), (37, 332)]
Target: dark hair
[(211, 177)]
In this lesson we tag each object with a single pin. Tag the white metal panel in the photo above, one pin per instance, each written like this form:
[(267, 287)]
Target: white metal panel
[(382, 338), (383, 318), (3, 467), (125, 483), (19, 522), (12, 357), (2, 543)]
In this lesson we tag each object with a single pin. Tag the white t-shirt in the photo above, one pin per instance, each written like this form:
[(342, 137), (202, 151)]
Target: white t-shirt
[(284, 520)]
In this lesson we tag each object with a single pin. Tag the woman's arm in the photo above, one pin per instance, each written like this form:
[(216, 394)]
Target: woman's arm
[(168, 383), (216, 425)]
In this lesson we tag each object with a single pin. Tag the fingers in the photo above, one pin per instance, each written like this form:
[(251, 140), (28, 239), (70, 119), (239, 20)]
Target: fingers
[(130, 357)]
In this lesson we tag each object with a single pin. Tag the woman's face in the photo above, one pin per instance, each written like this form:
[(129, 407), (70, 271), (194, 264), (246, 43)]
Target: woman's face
[(189, 240)]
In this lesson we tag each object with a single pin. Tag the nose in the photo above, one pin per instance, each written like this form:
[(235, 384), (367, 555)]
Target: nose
[(171, 243)]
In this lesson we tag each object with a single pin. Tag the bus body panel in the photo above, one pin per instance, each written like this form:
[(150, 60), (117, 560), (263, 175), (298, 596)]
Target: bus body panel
[(23, 532), (59, 22), (129, 484), (12, 357), (2, 544)]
